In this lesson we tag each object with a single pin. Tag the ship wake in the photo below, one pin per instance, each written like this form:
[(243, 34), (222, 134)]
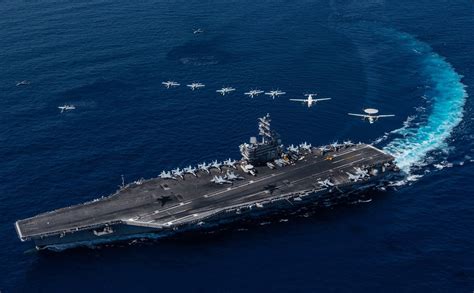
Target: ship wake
[(430, 129)]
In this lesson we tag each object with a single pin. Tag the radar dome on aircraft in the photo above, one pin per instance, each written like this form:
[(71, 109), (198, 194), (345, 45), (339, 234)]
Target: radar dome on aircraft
[(371, 111)]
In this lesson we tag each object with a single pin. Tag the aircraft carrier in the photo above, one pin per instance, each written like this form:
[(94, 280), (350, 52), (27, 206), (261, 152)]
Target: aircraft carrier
[(269, 178)]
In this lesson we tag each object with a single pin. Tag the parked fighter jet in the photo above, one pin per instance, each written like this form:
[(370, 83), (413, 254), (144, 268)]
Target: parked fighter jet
[(232, 176), (324, 148), (347, 143), (353, 177), (220, 180), (178, 172), (305, 146), (361, 173), (326, 183), (166, 175), (190, 170), (216, 165), (230, 163), (335, 145), (204, 167), (291, 148)]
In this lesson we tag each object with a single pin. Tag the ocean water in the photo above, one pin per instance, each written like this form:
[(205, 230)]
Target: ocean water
[(108, 58)]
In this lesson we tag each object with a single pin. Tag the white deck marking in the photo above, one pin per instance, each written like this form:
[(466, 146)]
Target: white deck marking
[(301, 179), (242, 185), (278, 174), (327, 171), (343, 159), (256, 193), (173, 207)]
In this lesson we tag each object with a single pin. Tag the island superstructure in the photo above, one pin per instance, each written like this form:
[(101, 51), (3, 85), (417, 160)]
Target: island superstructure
[(268, 178)]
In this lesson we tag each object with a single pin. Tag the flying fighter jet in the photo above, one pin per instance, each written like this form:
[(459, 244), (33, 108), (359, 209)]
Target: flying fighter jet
[(274, 94), (225, 90), (195, 85), (168, 84), (67, 108), (371, 115), (253, 93), (220, 180), (310, 100)]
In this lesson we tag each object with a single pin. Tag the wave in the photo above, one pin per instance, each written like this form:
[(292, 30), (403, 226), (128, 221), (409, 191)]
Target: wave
[(446, 94)]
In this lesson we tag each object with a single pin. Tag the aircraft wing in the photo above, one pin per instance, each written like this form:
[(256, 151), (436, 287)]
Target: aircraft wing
[(323, 99), (299, 100), (382, 116), (358, 115)]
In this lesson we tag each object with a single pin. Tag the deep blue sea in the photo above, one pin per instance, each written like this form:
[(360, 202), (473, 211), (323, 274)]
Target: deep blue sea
[(413, 59)]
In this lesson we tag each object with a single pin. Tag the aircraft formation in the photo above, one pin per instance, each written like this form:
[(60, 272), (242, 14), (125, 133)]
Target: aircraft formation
[(370, 114), (311, 100)]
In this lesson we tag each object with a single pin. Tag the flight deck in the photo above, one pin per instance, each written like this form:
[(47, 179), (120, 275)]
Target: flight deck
[(195, 198)]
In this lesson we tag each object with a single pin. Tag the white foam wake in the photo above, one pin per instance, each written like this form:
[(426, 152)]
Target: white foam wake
[(447, 96)]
